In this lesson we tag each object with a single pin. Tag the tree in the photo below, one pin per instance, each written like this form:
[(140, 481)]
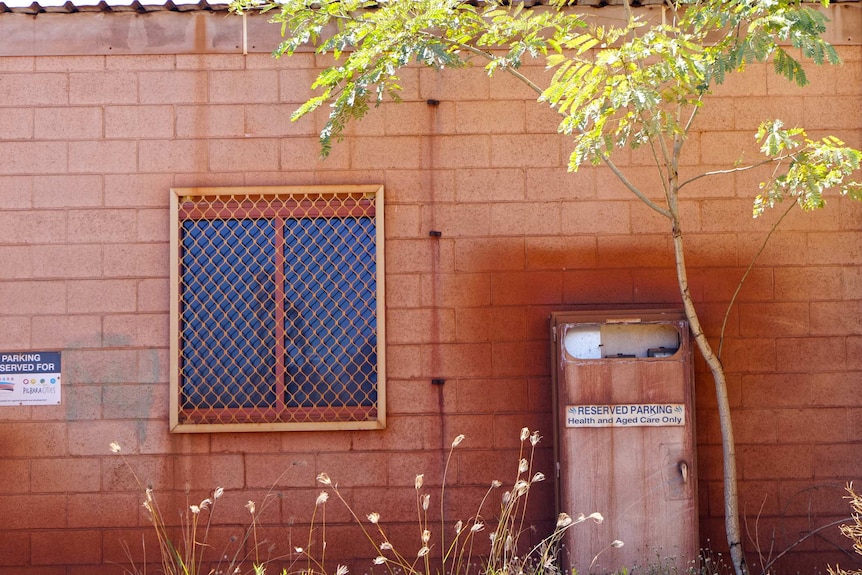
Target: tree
[(640, 84)]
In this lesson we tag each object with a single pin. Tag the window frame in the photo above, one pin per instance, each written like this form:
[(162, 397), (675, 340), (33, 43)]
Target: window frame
[(177, 195)]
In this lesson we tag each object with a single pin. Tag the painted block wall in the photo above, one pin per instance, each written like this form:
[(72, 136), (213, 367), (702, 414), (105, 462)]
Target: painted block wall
[(91, 144)]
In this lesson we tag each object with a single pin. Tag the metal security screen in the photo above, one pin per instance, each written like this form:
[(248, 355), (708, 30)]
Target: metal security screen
[(278, 304)]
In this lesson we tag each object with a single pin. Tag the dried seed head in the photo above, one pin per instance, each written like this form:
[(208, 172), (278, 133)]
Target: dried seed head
[(521, 487), (115, 447), (506, 497), (538, 476), (426, 502), (535, 438), (219, 491), (457, 440), (496, 483), (596, 516), (563, 520), (298, 549), (459, 526), (324, 478), (379, 560), (423, 552), (616, 543), (195, 509), (523, 466), (525, 433), (426, 536), (419, 480), (321, 499), (374, 518), (341, 570), (250, 506), (205, 504), (477, 527), (386, 546)]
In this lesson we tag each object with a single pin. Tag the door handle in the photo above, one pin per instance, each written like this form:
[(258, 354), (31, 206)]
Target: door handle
[(683, 471)]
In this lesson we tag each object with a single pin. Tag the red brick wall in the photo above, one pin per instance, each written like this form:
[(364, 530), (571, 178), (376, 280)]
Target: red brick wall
[(91, 144)]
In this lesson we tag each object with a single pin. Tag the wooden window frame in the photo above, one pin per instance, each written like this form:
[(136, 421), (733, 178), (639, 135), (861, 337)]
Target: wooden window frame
[(265, 419)]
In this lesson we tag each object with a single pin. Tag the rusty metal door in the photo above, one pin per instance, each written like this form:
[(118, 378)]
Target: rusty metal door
[(624, 437)]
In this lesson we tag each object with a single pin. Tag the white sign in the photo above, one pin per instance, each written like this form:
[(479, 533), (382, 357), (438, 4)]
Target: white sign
[(626, 415), (30, 378)]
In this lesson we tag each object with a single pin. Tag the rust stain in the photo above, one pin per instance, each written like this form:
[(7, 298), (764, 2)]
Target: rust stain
[(200, 38)]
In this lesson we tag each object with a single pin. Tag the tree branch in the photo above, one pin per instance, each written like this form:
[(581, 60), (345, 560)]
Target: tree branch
[(745, 276), (632, 188), (691, 118), (488, 56), (801, 540), (735, 170)]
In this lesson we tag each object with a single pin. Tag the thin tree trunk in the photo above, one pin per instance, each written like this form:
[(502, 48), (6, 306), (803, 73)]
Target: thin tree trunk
[(728, 445)]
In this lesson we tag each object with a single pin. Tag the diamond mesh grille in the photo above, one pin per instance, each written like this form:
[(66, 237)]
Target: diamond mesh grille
[(277, 308)]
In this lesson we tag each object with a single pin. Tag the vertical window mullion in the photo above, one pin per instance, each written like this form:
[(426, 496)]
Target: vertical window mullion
[(280, 316)]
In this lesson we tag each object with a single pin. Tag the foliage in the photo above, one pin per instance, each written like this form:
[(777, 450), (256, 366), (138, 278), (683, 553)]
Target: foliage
[(185, 555), (633, 87), (457, 542), (813, 167), (372, 45), (186, 550), (852, 531), (639, 84)]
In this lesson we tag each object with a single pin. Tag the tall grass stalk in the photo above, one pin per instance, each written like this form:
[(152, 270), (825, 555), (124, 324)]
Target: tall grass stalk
[(852, 531), (189, 552), (458, 542), (455, 443), (507, 554)]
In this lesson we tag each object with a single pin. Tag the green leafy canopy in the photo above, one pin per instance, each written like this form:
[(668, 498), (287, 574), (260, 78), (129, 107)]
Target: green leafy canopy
[(809, 167), (639, 83)]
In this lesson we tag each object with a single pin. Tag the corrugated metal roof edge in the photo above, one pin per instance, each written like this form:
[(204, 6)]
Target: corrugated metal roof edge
[(70, 7), (137, 6)]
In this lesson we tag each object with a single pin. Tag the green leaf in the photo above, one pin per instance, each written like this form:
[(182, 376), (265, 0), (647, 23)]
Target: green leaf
[(630, 84)]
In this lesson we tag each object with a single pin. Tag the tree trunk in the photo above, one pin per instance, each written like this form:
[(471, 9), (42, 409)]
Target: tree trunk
[(728, 445)]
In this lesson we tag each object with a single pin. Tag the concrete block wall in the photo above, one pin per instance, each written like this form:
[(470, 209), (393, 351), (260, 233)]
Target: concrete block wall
[(91, 145)]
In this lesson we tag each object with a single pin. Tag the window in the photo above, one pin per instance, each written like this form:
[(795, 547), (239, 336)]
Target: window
[(277, 308)]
